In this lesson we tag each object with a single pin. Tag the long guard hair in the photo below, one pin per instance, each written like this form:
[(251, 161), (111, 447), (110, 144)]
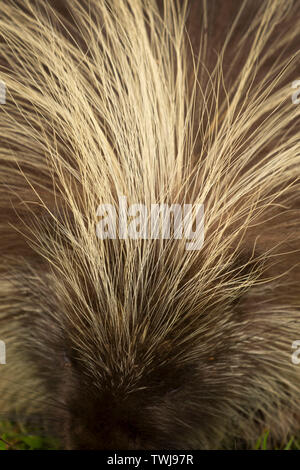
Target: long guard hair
[(140, 343)]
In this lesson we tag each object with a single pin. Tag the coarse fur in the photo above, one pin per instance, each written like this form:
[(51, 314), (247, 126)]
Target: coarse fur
[(141, 344)]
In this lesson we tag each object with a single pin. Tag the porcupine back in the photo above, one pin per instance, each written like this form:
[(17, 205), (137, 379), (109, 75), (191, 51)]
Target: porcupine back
[(141, 343)]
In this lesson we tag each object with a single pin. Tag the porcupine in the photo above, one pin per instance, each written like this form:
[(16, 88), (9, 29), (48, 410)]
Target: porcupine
[(141, 344)]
